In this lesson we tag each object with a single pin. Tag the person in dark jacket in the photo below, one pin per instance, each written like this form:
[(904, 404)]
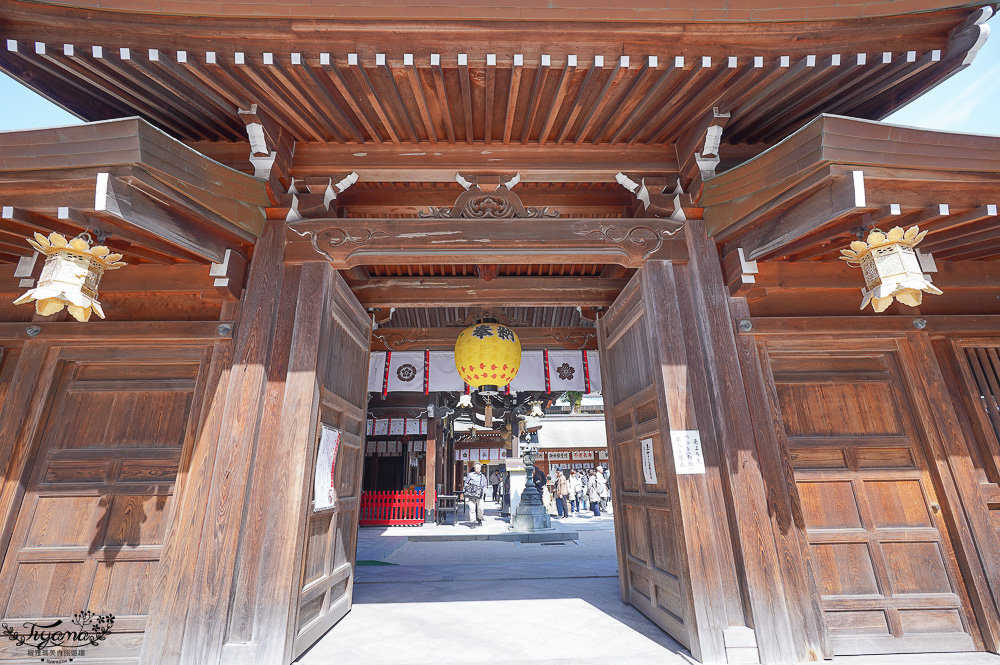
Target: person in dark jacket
[(539, 479)]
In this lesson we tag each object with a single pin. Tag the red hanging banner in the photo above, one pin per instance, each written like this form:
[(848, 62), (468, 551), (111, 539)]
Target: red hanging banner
[(385, 379), (427, 372), (586, 373), (545, 359)]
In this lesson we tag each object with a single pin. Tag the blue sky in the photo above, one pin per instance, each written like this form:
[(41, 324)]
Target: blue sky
[(967, 102)]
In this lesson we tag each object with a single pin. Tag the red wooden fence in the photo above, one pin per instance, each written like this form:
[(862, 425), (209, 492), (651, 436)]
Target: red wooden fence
[(392, 508)]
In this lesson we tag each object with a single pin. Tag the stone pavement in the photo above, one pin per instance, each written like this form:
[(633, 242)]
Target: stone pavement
[(492, 603)]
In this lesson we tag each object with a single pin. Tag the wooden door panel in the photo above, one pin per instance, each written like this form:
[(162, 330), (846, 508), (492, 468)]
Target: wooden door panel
[(881, 555), (646, 528), (330, 543), (98, 499)]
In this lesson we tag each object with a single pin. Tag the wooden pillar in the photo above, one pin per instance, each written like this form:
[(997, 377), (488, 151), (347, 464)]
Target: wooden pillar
[(975, 537), (191, 623), (430, 468), (812, 640)]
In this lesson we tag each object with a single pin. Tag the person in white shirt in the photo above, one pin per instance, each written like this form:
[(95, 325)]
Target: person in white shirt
[(575, 491)]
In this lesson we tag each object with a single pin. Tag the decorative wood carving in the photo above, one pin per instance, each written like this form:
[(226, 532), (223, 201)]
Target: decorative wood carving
[(634, 235), (469, 241), (474, 203)]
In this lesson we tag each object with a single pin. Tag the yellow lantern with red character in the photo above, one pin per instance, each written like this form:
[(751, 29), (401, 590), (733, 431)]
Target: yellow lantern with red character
[(488, 356)]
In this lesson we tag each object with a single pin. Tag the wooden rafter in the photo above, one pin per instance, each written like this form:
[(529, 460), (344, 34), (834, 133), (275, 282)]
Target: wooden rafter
[(322, 96)]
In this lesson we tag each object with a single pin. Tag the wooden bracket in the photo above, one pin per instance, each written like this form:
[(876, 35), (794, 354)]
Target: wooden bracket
[(230, 275), (313, 198), (738, 273), (271, 148), (698, 152)]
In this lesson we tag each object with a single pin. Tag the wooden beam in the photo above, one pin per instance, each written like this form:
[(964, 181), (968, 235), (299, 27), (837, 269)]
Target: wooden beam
[(881, 325), (119, 332), (401, 339), (125, 203), (828, 203), (837, 275), (473, 292), (350, 242)]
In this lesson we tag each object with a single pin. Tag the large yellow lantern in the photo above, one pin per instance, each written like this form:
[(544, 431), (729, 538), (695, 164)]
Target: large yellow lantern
[(487, 356), (70, 276), (890, 267)]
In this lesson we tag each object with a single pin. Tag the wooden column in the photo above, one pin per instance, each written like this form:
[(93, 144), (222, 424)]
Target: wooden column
[(430, 468), (28, 374), (810, 634), (976, 539), (740, 462), (194, 621)]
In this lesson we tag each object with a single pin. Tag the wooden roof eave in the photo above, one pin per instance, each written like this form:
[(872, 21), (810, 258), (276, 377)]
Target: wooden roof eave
[(129, 179), (435, 81), (819, 183)]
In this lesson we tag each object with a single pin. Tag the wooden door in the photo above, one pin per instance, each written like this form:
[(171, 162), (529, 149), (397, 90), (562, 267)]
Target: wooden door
[(646, 529), (98, 496), (327, 580), (881, 554)]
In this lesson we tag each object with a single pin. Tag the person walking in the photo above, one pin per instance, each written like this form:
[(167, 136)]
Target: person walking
[(562, 493), (593, 492), (575, 491), (475, 490), (495, 479)]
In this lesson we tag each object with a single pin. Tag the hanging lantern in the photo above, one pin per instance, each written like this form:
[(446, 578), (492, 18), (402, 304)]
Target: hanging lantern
[(70, 276), (890, 267), (487, 356), (536, 409)]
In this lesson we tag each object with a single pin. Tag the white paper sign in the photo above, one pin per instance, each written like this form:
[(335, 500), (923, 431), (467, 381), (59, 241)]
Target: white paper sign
[(559, 456), (583, 454), (688, 457), (648, 467), (326, 459)]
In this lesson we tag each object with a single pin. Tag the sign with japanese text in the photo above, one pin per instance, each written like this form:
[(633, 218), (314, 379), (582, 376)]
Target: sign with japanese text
[(326, 459), (583, 454), (688, 457), (558, 456), (648, 467)]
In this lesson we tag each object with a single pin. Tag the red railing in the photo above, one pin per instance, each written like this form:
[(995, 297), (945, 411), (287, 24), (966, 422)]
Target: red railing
[(392, 508)]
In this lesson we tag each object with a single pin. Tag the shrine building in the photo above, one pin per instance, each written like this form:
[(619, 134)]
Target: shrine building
[(269, 250)]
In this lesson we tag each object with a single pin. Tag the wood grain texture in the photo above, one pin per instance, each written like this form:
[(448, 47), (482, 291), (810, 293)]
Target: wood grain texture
[(880, 548), (217, 555), (98, 497)]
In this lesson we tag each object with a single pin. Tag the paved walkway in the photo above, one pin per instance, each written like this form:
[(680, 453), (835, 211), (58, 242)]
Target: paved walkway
[(457, 602)]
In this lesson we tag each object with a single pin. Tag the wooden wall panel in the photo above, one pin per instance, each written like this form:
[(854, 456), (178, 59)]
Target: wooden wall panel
[(880, 548), (88, 529)]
